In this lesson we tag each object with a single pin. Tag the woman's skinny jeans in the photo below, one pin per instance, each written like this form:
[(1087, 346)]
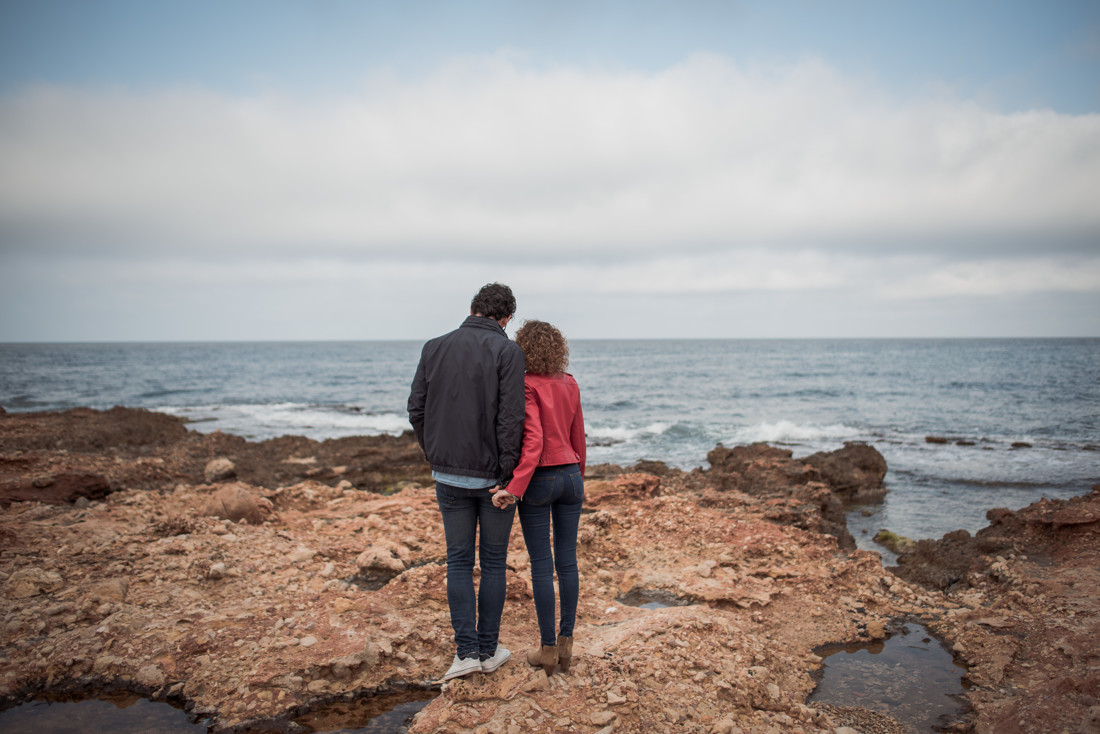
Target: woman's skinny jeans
[(553, 498)]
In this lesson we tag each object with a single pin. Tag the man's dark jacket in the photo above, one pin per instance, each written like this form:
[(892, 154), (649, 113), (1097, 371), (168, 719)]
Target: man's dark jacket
[(466, 405)]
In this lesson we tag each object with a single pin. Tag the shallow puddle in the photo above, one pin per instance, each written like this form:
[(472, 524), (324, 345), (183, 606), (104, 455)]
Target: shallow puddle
[(652, 599), (388, 713), (123, 713), (127, 713), (910, 676)]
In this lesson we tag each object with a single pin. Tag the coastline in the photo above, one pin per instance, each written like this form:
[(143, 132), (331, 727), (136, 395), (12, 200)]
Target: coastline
[(251, 581)]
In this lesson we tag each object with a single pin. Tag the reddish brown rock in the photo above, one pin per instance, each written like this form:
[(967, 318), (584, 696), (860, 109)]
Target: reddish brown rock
[(1026, 624), (797, 492), (54, 489), (238, 502), (247, 623), (855, 473), (139, 449)]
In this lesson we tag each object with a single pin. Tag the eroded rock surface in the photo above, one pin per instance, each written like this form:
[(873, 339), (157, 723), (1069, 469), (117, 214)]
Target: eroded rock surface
[(293, 582), (1027, 625)]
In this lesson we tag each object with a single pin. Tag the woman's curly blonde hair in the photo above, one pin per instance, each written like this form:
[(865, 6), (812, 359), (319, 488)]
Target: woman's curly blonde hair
[(544, 347)]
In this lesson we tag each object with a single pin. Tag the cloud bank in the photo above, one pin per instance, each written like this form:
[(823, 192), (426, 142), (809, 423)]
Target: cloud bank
[(707, 177)]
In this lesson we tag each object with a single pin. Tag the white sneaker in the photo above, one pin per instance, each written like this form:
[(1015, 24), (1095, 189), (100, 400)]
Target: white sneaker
[(500, 657), (463, 666)]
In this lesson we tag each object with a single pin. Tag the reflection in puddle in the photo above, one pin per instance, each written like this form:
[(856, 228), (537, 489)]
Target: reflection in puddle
[(652, 599), (128, 713), (388, 713), (124, 713), (910, 676)]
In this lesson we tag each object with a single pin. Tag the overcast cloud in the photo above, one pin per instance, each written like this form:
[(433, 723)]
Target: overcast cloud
[(788, 195)]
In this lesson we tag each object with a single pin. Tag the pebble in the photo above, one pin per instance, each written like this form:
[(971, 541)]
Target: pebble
[(599, 718), (301, 554)]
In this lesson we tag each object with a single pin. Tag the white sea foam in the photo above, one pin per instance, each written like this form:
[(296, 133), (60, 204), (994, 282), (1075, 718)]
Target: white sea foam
[(787, 431), (270, 420), (626, 434)]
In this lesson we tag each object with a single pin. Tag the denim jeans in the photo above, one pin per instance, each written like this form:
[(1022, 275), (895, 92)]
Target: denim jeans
[(475, 617), (554, 497)]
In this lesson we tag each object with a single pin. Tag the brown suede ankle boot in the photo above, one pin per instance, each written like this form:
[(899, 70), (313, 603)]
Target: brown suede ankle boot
[(545, 656), (565, 653)]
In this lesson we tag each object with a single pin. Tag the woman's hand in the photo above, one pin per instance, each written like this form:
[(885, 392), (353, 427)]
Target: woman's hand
[(502, 498)]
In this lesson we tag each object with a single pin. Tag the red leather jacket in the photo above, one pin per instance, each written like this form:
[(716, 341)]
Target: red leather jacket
[(553, 427)]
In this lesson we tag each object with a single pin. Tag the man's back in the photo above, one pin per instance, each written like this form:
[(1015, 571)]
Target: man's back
[(466, 404)]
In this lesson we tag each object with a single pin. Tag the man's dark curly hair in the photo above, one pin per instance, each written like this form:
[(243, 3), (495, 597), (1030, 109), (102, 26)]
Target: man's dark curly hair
[(495, 301), (544, 347)]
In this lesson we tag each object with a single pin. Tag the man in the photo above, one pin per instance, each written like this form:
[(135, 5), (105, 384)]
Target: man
[(467, 407)]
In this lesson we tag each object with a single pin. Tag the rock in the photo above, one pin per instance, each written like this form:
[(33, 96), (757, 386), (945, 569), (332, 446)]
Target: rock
[(219, 470), (876, 629), (341, 605), (151, 676), (1091, 724), (382, 561), (738, 459), (236, 502), (855, 472), (28, 582), (109, 590), (638, 484), (297, 629), (57, 489), (105, 663), (301, 554), (892, 541), (601, 718)]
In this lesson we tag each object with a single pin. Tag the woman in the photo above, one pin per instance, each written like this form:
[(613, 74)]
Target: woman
[(550, 479)]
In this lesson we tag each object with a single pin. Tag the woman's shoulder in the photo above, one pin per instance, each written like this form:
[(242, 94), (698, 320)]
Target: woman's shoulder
[(549, 382), (536, 378)]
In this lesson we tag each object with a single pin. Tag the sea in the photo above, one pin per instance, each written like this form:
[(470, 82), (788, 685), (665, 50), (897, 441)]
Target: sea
[(965, 425)]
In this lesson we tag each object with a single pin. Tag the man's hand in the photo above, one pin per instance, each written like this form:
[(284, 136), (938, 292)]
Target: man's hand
[(502, 498)]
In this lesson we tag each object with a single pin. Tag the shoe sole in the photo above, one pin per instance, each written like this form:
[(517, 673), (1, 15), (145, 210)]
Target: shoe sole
[(460, 674)]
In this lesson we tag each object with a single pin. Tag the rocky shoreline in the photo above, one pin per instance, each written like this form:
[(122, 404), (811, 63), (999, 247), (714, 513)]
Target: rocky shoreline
[(251, 581)]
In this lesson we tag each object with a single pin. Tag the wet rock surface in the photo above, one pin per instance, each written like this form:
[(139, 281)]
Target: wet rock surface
[(1027, 625), (314, 571)]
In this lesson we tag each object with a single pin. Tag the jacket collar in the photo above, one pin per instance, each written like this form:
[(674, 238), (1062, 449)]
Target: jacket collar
[(484, 322)]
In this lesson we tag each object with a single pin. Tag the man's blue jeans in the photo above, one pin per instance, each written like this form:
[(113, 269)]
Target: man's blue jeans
[(554, 497), (475, 617)]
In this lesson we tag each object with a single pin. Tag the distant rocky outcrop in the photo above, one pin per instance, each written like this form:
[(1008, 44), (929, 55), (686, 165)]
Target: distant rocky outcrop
[(59, 457), (818, 488), (855, 473)]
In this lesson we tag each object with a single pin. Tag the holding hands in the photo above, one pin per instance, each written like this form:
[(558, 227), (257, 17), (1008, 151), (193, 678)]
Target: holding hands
[(502, 498)]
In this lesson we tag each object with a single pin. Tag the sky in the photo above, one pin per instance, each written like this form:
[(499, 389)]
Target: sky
[(191, 170)]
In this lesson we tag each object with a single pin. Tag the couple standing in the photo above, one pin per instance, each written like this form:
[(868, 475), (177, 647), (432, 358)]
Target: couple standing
[(494, 435)]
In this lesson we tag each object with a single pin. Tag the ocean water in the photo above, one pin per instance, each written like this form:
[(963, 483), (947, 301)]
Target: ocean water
[(665, 400)]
